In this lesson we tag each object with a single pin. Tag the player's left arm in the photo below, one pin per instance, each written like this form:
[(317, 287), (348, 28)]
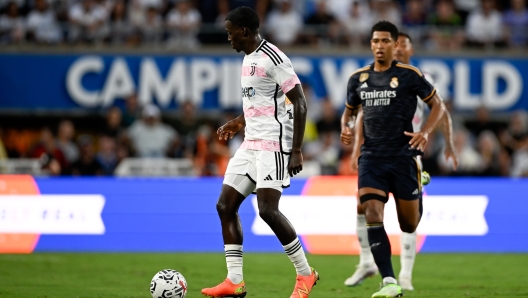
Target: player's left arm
[(423, 89), (419, 139), (446, 126), (297, 98), (284, 75)]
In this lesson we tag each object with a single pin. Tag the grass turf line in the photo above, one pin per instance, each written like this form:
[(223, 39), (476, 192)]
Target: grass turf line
[(266, 275)]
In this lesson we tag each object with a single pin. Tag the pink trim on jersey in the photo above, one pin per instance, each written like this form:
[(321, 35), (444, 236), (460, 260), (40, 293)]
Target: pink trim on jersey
[(259, 71), (290, 83), (261, 145), (275, 48), (259, 111)]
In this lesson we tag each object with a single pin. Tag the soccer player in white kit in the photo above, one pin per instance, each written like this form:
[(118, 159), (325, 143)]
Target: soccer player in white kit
[(269, 155), (366, 267)]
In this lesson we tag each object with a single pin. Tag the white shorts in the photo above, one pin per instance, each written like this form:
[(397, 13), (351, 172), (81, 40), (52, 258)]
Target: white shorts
[(266, 169)]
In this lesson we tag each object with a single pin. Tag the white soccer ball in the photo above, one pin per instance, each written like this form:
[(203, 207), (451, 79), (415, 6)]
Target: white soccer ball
[(168, 283)]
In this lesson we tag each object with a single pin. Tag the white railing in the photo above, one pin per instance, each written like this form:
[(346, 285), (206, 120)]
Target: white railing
[(310, 168), (30, 166), (155, 167)]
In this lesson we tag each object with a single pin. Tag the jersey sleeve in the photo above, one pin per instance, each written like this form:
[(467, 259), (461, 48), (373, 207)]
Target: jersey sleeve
[(432, 80), (353, 100), (423, 88), (284, 76)]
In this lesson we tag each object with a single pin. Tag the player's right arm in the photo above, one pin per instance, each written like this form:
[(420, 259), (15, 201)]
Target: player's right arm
[(353, 103), (349, 116), (228, 130)]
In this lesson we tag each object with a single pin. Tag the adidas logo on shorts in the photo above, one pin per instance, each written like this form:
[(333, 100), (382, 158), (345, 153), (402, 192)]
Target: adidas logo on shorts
[(415, 192), (268, 178)]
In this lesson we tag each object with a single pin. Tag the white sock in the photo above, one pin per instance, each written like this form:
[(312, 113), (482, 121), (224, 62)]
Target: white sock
[(233, 253), (389, 280), (296, 254), (408, 253), (365, 255)]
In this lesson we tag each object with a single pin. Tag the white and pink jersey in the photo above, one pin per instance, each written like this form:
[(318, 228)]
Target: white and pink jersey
[(267, 75), (418, 118)]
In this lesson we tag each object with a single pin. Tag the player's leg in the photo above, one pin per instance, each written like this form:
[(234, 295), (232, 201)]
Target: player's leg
[(227, 208), (236, 187), (373, 194), (373, 202), (406, 186), (269, 191), (408, 241), (366, 267), (268, 204), (407, 258), (408, 244)]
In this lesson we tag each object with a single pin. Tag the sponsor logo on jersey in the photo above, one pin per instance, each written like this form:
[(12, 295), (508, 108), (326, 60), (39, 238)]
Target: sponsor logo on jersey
[(363, 77), (364, 85), (377, 94), (377, 98), (394, 82), (248, 92)]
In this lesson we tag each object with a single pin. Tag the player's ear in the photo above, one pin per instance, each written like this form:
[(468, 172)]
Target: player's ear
[(245, 32)]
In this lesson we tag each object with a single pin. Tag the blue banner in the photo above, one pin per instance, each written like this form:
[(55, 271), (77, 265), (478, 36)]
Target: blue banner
[(62, 82), (173, 214)]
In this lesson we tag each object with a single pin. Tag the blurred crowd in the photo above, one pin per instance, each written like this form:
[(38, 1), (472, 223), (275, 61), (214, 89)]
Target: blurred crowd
[(130, 132), (485, 146), (187, 24)]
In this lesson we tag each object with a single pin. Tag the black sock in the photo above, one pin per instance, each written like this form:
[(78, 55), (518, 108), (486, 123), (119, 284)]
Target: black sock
[(380, 248)]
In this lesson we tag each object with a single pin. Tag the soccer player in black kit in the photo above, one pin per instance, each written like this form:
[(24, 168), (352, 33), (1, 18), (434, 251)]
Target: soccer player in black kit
[(387, 91)]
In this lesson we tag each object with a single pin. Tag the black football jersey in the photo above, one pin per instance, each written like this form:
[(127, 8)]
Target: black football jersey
[(388, 100)]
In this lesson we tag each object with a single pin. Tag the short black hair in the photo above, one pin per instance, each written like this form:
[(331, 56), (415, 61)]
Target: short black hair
[(244, 16), (405, 35), (385, 26)]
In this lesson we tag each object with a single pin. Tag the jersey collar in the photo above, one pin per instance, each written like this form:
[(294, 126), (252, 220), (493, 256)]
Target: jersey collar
[(258, 47), (392, 65)]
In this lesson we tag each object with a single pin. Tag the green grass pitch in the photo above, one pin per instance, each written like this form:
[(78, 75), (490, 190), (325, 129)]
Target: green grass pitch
[(266, 275)]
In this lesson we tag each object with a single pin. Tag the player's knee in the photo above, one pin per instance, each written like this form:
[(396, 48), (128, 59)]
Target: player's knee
[(373, 216), (360, 209), (372, 205), (373, 213), (221, 207), (408, 227), (268, 214)]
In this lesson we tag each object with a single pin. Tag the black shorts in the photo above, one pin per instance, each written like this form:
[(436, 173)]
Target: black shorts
[(400, 175)]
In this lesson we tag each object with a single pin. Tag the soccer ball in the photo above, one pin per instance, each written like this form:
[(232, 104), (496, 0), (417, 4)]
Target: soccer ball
[(168, 283)]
